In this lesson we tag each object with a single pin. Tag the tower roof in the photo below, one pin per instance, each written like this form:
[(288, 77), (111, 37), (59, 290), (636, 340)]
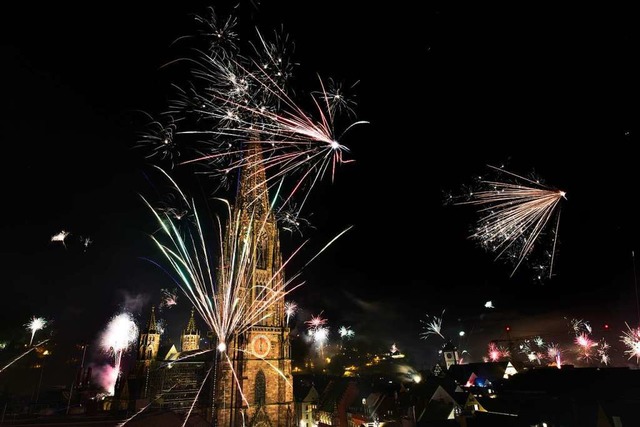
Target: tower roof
[(449, 346), (191, 326)]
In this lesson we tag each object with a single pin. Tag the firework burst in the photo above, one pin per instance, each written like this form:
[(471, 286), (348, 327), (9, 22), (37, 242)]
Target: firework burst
[(60, 237), (290, 308), (514, 215), (346, 332), (169, 298), (121, 332), (631, 339), (554, 353), (432, 325), (34, 325), (222, 300), (238, 99), (496, 353)]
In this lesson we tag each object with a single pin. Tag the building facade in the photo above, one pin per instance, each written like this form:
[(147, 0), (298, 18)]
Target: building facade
[(165, 377)]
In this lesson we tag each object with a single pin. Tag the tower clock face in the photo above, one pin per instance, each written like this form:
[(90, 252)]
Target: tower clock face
[(260, 346)]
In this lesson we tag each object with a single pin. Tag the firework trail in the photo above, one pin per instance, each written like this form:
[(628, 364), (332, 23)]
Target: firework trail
[(514, 216), (121, 332), (145, 407), (34, 325), (432, 326), (631, 339), (224, 304), (159, 142), (204, 381), (23, 354), (290, 220), (290, 308), (223, 300)]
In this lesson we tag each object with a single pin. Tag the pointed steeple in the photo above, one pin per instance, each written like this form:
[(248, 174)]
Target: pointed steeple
[(191, 326), (152, 328), (149, 339), (190, 339), (252, 195)]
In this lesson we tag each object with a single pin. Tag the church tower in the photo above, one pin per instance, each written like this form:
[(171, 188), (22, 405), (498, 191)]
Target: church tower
[(149, 340), (190, 339), (260, 392), (450, 355), (148, 347)]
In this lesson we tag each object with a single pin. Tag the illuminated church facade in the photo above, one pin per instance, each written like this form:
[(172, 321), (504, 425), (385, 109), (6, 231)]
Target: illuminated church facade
[(258, 391), (254, 386)]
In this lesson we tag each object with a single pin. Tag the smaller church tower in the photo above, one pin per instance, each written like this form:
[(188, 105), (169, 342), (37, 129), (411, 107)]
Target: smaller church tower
[(190, 339), (450, 354), (149, 339)]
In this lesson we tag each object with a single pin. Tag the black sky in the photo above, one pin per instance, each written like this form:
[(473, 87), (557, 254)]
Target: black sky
[(446, 88)]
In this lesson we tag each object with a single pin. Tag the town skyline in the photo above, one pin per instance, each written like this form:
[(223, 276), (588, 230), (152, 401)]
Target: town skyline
[(450, 97)]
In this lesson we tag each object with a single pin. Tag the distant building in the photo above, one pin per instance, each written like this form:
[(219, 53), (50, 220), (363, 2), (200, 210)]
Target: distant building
[(164, 377), (306, 403), (335, 401), (482, 374), (190, 339), (450, 355)]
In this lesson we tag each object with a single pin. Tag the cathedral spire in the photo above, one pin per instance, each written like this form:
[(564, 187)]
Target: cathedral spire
[(190, 339), (191, 326), (252, 193), (152, 328)]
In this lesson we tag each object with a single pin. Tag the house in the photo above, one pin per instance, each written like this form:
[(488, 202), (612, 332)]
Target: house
[(483, 374), (305, 404)]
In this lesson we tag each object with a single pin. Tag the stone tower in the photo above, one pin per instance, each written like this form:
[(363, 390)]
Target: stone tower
[(190, 339), (149, 340), (260, 391), (148, 347)]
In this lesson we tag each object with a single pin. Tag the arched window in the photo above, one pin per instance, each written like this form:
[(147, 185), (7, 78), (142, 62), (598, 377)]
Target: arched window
[(150, 353), (261, 253), (260, 388)]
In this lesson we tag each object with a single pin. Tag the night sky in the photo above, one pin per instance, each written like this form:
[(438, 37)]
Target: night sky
[(447, 89)]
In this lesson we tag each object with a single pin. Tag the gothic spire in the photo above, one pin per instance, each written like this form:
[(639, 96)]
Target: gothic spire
[(191, 326), (153, 325), (252, 192)]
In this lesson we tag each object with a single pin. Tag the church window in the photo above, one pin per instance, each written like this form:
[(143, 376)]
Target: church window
[(261, 253), (260, 388)]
